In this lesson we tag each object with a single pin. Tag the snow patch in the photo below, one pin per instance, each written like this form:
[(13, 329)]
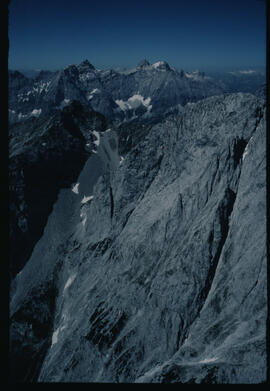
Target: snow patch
[(83, 217), (134, 102), (94, 91), (121, 160), (69, 281), (36, 112), (207, 360), (97, 142), (55, 336), (84, 221), (245, 153), (158, 64), (64, 103), (75, 188), (58, 330), (86, 199), (247, 148)]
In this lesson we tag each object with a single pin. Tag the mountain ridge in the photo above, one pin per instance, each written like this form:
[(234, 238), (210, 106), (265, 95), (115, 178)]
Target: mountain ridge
[(166, 88), (136, 277)]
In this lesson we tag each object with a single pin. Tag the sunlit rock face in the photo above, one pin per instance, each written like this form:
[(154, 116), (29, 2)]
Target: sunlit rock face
[(152, 266)]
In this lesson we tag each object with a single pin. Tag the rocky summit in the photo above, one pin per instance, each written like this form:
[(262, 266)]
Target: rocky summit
[(139, 247), (145, 93)]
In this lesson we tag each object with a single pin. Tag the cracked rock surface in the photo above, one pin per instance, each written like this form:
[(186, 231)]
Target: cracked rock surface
[(155, 271)]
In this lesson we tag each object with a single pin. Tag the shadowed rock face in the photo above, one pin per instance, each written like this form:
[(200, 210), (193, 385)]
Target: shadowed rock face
[(156, 267), (45, 156)]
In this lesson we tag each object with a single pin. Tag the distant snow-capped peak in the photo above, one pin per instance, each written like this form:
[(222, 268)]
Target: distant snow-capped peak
[(163, 65)]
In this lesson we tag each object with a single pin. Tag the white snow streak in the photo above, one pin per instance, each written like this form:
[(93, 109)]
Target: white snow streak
[(85, 199), (94, 91), (97, 142), (207, 360), (69, 281), (84, 221), (75, 188), (55, 336), (245, 153)]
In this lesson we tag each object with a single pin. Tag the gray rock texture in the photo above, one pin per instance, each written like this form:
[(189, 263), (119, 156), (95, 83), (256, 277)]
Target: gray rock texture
[(153, 269)]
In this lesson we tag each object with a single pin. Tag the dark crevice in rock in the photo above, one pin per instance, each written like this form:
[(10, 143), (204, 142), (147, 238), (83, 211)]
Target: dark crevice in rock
[(180, 335), (105, 328), (224, 212), (120, 345), (238, 150), (102, 246), (214, 176), (127, 218)]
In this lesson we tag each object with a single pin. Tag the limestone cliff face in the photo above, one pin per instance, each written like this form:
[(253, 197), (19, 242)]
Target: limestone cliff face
[(154, 269)]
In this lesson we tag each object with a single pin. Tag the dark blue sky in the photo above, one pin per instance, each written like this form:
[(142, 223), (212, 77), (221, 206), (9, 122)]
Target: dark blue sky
[(192, 34)]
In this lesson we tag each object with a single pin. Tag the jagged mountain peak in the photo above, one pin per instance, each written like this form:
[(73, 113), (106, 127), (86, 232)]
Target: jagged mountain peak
[(163, 65), (86, 65), (143, 63), (70, 69)]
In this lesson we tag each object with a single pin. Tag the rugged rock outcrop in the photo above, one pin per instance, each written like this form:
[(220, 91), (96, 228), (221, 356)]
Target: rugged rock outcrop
[(45, 156), (154, 270)]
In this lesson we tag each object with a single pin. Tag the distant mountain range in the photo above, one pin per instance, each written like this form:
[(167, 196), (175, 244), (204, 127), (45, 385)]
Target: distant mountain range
[(145, 93)]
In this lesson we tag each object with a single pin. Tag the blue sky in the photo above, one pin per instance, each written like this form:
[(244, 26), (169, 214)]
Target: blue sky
[(190, 34)]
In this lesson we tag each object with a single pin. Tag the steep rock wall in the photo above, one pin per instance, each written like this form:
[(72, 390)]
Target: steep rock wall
[(160, 277)]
